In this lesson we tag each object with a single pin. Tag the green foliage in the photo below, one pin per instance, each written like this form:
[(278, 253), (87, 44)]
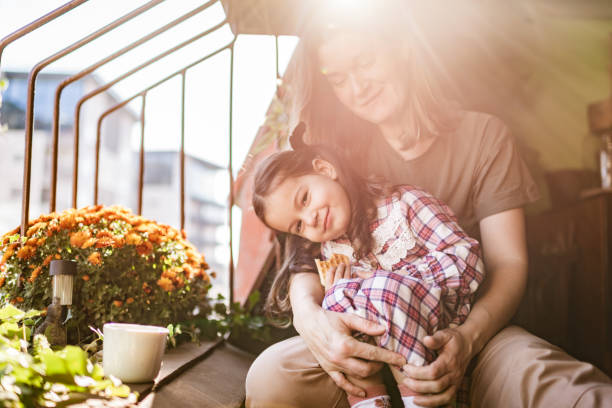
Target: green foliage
[(223, 320), (34, 375)]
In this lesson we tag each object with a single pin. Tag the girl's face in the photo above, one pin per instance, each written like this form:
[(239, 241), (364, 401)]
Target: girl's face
[(313, 206), (365, 75)]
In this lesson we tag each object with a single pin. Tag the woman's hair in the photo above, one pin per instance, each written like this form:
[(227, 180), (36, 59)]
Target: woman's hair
[(299, 253), (312, 100)]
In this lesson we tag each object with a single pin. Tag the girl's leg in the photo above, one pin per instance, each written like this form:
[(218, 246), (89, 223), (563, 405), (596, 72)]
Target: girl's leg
[(408, 308)]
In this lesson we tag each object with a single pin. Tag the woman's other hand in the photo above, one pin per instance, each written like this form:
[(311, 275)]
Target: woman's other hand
[(442, 378), (328, 335)]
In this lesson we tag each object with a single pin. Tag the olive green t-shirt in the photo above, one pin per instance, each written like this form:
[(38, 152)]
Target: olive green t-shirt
[(475, 169)]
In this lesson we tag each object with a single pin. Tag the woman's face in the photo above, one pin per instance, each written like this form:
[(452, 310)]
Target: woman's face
[(365, 75), (313, 206)]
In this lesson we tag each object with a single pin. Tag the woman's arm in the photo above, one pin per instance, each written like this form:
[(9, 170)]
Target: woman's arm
[(328, 335), (505, 256)]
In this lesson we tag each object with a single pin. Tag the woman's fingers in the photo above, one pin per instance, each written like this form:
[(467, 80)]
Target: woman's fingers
[(359, 324), (432, 372), (436, 400), (345, 384), (359, 368), (428, 386), (375, 353), (366, 351)]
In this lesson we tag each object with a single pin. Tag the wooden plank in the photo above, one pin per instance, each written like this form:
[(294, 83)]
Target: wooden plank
[(214, 382), (174, 362)]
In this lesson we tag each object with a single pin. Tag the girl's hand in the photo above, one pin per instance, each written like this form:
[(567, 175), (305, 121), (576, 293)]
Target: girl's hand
[(441, 378), (335, 273)]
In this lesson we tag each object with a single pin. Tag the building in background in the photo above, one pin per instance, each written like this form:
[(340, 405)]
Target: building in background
[(115, 183), (206, 210)]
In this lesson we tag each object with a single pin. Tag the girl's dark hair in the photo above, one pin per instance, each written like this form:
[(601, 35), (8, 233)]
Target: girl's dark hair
[(299, 253)]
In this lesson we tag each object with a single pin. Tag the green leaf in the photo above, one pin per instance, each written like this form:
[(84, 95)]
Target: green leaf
[(75, 359), (253, 300), (10, 312)]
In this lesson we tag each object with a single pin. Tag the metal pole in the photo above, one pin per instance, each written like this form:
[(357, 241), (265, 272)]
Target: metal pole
[(142, 153), (182, 153), (231, 178), (276, 54)]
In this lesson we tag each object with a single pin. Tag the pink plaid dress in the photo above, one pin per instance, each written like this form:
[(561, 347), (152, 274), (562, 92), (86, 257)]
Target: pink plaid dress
[(425, 270)]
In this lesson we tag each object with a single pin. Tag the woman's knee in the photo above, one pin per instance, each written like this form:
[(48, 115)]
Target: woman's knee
[(265, 376), (287, 375)]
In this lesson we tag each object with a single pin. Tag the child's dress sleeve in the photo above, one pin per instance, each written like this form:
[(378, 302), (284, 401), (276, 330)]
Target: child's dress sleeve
[(443, 254)]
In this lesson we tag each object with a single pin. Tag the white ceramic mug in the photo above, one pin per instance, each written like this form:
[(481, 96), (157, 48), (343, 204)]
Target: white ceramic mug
[(133, 352)]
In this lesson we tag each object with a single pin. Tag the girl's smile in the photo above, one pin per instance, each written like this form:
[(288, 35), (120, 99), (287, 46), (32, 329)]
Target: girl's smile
[(313, 206)]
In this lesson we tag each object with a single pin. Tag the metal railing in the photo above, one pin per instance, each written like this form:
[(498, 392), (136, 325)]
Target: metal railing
[(38, 67)]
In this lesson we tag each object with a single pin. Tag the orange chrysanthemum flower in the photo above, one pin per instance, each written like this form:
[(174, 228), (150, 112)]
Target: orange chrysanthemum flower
[(47, 260), (77, 239), (35, 274), (26, 252), (166, 284), (104, 242), (133, 239), (95, 258), (145, 248)]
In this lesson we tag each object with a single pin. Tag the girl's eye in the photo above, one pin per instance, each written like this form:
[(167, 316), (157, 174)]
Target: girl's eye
[(298, 227), (304, 198)]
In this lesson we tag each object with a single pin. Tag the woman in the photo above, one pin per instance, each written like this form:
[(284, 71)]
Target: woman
[(362, 87)]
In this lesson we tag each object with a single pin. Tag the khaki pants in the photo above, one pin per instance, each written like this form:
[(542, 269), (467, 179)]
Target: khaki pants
[(515, 369)]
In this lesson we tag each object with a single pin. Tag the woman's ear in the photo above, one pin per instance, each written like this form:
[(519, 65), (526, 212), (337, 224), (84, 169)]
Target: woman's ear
[(324, 168)]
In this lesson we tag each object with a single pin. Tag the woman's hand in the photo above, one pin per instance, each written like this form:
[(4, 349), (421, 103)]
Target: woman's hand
[(443, 377), (328, 335), (339, 354)]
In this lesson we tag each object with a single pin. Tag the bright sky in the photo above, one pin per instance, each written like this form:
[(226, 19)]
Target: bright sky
[(207, 103)]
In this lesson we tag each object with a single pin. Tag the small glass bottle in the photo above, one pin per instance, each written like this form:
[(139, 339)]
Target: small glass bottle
[(605, 160)]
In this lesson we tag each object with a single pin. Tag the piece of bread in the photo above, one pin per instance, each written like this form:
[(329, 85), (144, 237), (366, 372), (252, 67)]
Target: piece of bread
[(324, 266)]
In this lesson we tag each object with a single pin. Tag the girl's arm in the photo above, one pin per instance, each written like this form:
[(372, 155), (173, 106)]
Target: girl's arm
[(328, 335), (505, 256)]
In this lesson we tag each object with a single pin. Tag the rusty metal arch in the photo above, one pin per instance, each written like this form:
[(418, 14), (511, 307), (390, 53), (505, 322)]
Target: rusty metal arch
[(29, 125)]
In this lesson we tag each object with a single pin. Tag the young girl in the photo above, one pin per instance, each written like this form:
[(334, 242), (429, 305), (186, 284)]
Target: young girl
[(412, 268)]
